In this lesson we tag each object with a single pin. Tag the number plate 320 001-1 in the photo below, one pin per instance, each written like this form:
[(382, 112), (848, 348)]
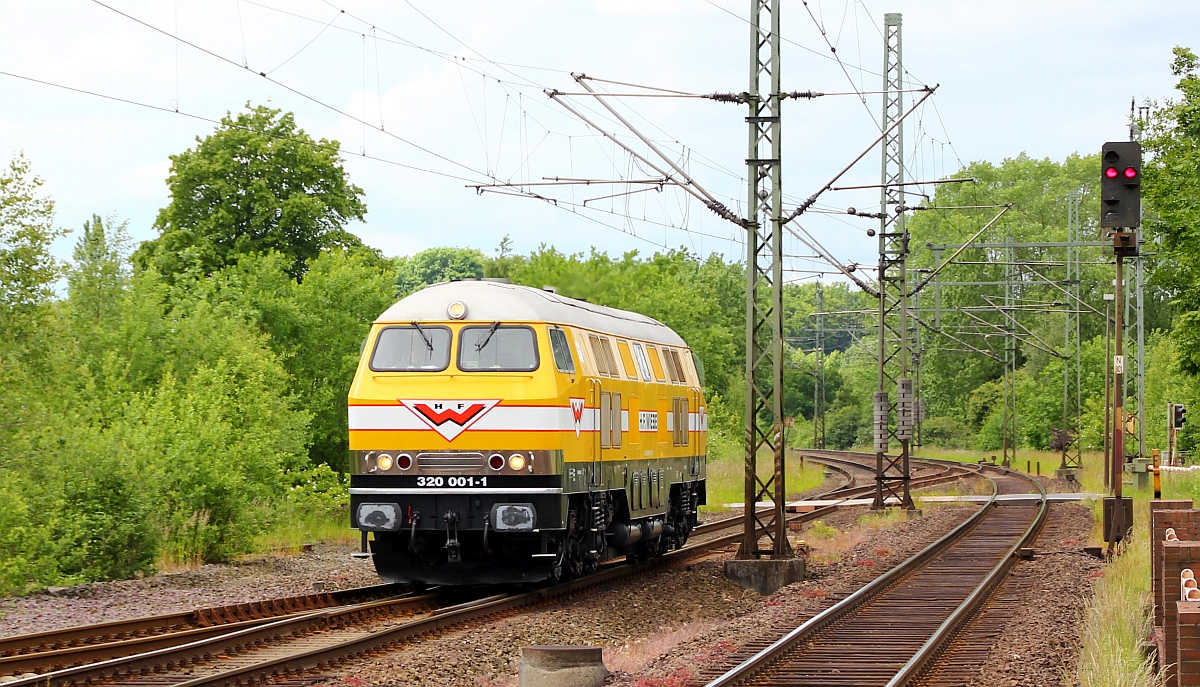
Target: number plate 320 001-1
[(435, 481)]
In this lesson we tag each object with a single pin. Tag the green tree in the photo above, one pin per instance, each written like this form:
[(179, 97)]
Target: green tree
[(97, 280), (437, 265), (341, 295), (27, 269), (256, 184), (1172, 193)]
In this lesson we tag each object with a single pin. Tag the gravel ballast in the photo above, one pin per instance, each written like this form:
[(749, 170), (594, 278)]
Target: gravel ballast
[(263, 577), (666, 629)]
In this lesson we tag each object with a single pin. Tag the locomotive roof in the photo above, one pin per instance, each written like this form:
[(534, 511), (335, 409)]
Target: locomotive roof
[(491, 301)]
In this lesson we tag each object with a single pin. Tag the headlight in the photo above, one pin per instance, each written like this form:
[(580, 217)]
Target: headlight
[(516, 461), (384, 462), (456, 310)]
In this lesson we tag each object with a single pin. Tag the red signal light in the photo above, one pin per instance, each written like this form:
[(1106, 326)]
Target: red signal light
[(1110, 172), (1130, 172)]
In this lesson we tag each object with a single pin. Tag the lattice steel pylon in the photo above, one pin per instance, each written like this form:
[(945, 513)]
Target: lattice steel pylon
[(1008, 438), (1135, 338), (892, 471), (764, 273), (1072, 426), (819, 374), (918, 352)]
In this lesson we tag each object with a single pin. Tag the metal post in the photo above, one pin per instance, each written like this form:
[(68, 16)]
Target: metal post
[(937, 287), (1118, 415), (1170, 434), (1107, 392), (917, 352), (764, 428), (1118, 430), (1139, 309), (892, 472)]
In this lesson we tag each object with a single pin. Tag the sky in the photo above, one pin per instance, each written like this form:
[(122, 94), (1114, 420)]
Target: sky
[(429, 99)]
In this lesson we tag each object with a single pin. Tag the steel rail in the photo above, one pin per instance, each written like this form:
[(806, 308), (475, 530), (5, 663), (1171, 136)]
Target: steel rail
[(76, 646), (92, 653), (239, 637), (949, 629), (952, 471), (240, 640), (82, 636), (827, 618)]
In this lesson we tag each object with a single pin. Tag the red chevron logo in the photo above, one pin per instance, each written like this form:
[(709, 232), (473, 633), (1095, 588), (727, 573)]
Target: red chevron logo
[(449, 418), (577, 412)]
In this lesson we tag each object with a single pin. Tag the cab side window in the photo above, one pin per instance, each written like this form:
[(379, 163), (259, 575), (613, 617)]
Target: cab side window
[(562, 351), (655, 363)]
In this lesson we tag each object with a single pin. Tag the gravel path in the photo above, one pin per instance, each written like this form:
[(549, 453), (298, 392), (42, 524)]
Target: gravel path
[(264, 577)]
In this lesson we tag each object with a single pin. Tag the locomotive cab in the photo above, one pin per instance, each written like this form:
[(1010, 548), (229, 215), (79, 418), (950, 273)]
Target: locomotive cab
[(489, 444)]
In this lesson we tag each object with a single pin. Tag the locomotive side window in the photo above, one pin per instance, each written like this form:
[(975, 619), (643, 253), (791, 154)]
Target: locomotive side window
[(598, 355), (497, 348), (642, 361), (669, 363), (699, 368), (626, 360), (561, 350), (615, 424), (609, 360), (411, 349), (680, 421), (656, 363), (678, 365), (580, 350)]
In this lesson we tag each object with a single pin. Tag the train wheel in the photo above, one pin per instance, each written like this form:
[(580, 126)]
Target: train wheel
[(679, 517)]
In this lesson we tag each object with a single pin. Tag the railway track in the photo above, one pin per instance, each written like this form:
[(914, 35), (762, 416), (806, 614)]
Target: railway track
[(248, 642), (231, 645), (890, 631), (931, 472)]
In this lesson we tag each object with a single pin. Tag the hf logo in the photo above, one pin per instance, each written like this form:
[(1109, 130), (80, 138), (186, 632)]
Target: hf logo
[(449, 418), (577, 414)]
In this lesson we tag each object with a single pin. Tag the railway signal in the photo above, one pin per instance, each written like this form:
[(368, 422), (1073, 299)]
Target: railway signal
[(1120, 184), (1178, 415)]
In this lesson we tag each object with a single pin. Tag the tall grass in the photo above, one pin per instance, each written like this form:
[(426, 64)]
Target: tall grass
[(292, 536), (726, 482), (1118, 616), (1117, 619)]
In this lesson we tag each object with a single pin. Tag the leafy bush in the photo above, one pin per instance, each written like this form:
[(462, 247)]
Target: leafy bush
[(22, 565), (842, 427), (946, 432)]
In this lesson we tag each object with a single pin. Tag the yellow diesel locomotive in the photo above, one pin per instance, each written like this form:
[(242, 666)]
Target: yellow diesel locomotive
[(501, 433)]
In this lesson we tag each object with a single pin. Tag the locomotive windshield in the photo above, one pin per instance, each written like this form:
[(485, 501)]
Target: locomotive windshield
[(412, 349), (497, 348)]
